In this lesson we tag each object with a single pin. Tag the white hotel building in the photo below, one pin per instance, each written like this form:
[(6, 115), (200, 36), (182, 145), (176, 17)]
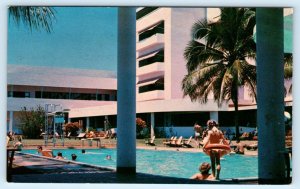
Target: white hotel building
[(161, 37)]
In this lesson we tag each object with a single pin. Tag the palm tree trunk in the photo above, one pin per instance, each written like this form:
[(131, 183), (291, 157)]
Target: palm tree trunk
[(236, 118), (235, 100)]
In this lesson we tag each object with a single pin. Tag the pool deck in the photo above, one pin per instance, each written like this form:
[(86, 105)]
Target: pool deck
[(35, 169)]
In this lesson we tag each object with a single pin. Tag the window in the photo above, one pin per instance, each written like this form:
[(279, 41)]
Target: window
[(18, 94), (103, 97)]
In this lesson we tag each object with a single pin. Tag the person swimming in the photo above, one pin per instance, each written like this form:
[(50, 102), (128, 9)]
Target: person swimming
[(204, 172), (74, 157)]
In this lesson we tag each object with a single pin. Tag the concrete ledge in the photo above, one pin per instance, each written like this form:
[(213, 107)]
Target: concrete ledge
[(126, 170)]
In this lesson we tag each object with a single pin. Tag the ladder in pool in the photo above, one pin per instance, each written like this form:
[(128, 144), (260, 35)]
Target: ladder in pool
[(54, 120)]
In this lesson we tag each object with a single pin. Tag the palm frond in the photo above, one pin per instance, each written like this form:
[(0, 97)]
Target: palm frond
[(33, 17), (197, 54)]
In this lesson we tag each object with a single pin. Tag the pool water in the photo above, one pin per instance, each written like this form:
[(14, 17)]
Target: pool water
[(168, 163)]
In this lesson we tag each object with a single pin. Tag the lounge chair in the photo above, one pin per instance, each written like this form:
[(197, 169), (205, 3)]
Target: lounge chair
[(150, 141), (80, 136), (113, 133), (187, 143), (68, 135), (176, 143), (179, 142), (253, 146), (171, 141), (168, 141)]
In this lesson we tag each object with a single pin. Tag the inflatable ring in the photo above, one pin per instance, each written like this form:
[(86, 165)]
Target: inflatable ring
[(223, 149)]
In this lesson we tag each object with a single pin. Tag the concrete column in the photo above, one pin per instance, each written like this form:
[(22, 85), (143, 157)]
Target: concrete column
[(11, 118), (152, 120), (126, 143), (167, 119), (270, 95), (87, 123), (214, 116), (106, 123)]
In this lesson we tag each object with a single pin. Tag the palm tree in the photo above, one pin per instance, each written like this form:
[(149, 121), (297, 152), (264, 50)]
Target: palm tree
[(33, 17), (217, 58)]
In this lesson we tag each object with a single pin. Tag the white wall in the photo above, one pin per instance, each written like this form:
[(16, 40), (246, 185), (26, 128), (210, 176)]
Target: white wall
[(182, 20), (15, 104)]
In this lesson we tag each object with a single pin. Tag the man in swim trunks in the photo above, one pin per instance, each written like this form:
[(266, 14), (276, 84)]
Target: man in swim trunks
[(204, 173), (215, 137)]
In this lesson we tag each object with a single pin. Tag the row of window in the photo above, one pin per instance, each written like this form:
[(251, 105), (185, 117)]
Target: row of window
[(63, 95)]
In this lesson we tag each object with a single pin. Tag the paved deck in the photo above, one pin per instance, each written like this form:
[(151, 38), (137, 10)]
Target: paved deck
[(34, 169)]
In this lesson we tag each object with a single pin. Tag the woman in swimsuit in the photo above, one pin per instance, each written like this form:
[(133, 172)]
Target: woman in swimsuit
[(216, 146)]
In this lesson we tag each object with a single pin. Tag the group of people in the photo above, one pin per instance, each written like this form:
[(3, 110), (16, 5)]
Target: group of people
[(215, 146), (49, 153), (17, 141)]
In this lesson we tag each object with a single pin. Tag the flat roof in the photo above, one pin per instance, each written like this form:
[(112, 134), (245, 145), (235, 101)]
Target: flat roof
[(61, 77)]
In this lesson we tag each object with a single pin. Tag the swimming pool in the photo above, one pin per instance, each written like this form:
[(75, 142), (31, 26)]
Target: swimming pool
[(168, 163)]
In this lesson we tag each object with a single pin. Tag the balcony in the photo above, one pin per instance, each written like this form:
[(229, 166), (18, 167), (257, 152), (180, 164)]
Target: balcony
[(151, 95), (150, 31), (154, 42), (145, 11), (154, 17), (152, 70)]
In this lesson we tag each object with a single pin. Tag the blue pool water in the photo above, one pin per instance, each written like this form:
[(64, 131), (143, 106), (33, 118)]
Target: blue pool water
[(168, 163)]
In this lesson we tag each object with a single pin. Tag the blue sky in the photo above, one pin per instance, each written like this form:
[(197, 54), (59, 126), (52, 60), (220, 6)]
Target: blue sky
[(82, 37)]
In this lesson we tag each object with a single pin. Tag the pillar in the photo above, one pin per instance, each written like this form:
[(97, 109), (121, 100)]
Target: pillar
[(270, 95), (126, 105), (11, 118), (214, 116), (87, 123), (152, 120)]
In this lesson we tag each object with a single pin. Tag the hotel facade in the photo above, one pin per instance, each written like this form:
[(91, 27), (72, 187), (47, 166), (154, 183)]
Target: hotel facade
[(90, 96)]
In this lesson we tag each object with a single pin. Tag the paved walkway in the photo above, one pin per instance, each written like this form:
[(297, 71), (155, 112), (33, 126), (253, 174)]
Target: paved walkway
[(35, 169)]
